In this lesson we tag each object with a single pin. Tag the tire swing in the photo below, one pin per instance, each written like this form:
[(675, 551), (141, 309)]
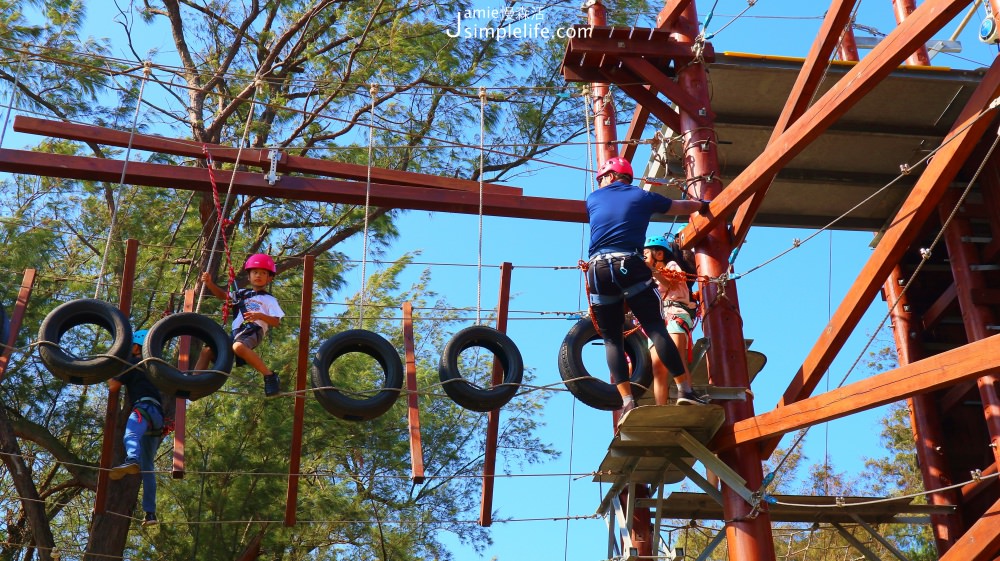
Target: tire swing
[(341, 405), (175, 382), (85, 370), (590, 390), (467, 394)]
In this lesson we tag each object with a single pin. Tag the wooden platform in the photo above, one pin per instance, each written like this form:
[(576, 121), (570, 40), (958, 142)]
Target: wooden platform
[(699, 506), (657, 444)]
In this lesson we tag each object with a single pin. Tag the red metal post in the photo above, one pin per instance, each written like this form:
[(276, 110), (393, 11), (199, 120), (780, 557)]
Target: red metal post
[(114, 390), (412, 403), (902, 9), (180, 404), (847, 50), (924, 417), (605, 120), (749, 538), (493, 417), (298, 415), (17, 316), (976, 317)]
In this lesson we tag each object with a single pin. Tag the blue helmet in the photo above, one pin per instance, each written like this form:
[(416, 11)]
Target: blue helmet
[(657, 241), (139, 337)]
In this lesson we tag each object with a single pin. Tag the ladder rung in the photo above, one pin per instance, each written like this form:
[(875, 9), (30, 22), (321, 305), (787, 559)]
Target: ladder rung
[(989, 267), (977, 239)]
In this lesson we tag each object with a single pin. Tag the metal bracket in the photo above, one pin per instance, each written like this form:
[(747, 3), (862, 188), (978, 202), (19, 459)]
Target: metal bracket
[(273, 156)]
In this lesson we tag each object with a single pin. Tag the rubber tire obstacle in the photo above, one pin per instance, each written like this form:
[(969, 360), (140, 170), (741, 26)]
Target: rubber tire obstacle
[(356, 341), (175, 382), (85, 371), (467, 394), (588, 389)]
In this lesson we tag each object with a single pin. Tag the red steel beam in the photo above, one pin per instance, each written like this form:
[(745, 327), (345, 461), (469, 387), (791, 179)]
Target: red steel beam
[(17, 317), (412, 403), (695, 108), (936, 310), (642, 43), (647, 99), (913, 213), (292, 187), (838, 16), (248, 156), (962, 256), (671, 13), (635, 128), (925, 420), (964, 363), (903, 9), (299, 407), (493, 417), (605, 120), (931, 16), (114, 386), (981, 542), (177, 469)]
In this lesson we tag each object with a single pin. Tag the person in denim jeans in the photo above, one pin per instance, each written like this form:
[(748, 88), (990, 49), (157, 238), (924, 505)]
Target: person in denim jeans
[(144, 429)]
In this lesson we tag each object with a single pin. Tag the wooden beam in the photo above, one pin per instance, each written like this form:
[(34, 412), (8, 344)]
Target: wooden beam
[(838, 16), (493, 417), (635, 128), (663, 84), (965, 363), (936, 311), (671, 12), (20, 307), (969, 128), (642, 43), (248, 156), (412, 403), (299, 402), (931, 16), (647, 98), (981, 541), (292, 187)]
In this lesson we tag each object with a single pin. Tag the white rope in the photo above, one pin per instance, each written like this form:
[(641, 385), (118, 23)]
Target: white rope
[(148, 66), (13, 95), (229, 190), (482, 161), (372, 91)]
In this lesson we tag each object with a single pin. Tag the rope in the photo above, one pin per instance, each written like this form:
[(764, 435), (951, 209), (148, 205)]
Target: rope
[(121, 181), (222, 209), (372, 91), (925, 256), (13, 94), (482, 165)]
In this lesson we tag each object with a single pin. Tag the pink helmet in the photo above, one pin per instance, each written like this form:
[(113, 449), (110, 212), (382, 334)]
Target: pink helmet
[(615, 165), (260, 261)]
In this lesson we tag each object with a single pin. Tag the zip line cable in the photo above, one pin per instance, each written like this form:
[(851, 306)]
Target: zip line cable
[(114, 207)]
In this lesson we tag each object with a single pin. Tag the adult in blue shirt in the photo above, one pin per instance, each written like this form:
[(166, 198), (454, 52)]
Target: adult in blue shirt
[(619, 215)]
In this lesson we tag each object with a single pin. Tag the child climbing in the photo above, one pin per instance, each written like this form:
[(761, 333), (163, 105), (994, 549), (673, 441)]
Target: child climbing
[(678, 311), (257, 311), (144, 429)]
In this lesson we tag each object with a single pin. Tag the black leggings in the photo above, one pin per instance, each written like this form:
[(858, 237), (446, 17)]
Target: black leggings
[(608, 281)]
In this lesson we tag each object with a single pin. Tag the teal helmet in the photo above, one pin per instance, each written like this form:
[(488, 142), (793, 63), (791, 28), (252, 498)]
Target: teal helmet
[(661, 242), (139, 337)]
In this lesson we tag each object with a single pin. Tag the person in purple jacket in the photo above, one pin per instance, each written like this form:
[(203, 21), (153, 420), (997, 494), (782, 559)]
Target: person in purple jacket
[(619, 214)]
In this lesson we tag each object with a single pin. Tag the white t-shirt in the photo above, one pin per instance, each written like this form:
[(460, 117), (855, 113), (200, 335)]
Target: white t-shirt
[(257, 302)]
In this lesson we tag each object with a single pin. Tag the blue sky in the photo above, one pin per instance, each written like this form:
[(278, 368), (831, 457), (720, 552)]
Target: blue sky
[(785, 305)]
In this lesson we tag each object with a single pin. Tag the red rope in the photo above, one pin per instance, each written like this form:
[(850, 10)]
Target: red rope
[(223, 224)]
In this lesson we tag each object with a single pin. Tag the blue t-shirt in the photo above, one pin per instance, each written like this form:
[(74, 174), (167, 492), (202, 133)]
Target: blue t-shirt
[(619, 215)]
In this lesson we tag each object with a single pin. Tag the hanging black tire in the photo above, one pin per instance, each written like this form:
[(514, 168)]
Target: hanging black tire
[(590, 390), (85, 371), (175, 382), (471, 396), (350, 408)]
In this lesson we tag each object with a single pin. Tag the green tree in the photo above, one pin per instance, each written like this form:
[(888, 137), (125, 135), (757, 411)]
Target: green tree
[(293, 75)]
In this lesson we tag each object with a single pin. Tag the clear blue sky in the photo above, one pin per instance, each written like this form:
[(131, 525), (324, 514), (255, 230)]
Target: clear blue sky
[(767, 297)]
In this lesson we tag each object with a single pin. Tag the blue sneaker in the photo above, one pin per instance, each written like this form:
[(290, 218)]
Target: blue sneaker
[(129, 467), (272, 385)]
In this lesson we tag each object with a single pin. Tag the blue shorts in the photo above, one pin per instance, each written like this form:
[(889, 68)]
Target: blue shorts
[(675, 313)]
